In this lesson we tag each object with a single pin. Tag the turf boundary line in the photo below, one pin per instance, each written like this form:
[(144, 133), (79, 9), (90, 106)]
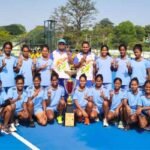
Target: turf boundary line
[(23, 140)]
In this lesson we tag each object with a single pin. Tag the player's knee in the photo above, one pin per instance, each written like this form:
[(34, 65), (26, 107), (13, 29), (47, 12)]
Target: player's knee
[(105, 103), (89, 105), (30, 104), (8, 108), (43, 122), (79, 114), (50, 117), (93, 116), (133, 119)]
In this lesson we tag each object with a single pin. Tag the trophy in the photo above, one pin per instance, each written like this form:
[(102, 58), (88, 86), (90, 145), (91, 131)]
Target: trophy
[(69, 85)]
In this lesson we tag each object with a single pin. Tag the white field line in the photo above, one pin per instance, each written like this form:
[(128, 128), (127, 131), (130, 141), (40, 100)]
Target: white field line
[(23, 140)]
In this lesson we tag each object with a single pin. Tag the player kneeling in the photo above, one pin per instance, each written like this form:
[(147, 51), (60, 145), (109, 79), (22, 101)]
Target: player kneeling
[(5, 111), (18, 99), (84, 107), (54, 96), (116, 97), (36, 102), (131, 102), (100, 98), (143, 110)]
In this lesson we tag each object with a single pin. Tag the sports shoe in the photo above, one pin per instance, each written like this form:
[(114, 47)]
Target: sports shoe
[(60, 119), (105, 123), (17, 122), (5, 130), (12, 127), (87, 121), (97, 119), (120, 125)]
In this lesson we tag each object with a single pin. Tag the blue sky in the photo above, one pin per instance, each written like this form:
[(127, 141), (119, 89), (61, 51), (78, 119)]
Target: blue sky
[(31, 13)]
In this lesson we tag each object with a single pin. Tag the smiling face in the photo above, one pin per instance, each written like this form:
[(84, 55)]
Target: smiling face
[(54, 81), (134, 86), (61, 46), (20, 84), (85, 48), (147, 88), (25, 52), (117, 85), (45, 52), (82, 81), (7, 49), (99, 82), (122, 51), (37, 82), (104, 52), (137, 53)]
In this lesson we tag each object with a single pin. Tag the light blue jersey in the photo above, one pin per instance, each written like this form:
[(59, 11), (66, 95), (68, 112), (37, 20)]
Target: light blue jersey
[(26, 71), (56, 95), (139, 70), (122, 71), (7, 75), (133, 100), (13, 94), (81, 95), (38, 100), (104, 68), (3, 96), (96, 94), (144, 101), (45, 73), (117, 99)]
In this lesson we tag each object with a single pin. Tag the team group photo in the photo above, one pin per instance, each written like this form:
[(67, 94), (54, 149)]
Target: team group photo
[(68, 82)]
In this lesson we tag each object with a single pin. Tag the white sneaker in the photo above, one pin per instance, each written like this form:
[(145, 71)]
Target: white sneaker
[(5, 130), (12, 127), (120, 125), (17, 122), (105, 123), (97, 119)]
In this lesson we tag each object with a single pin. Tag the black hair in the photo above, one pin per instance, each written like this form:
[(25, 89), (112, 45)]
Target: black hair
[(105, 46), (45, 46), (134, 79), (117, 79), (137, 46), (84, 76), (146, 82), (54, 74), (25, 46), (7, 43), (99, 76), (0, 82), (85, 42), (37, 75), (19, 77), (122, 45)]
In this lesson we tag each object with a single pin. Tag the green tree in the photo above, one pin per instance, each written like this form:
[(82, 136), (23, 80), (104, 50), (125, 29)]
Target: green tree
[(140, 33), (125, 33), (102, 32), (36, 36), (15, 29), (4, 36)]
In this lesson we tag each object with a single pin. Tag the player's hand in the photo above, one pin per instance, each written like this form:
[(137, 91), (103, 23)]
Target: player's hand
[(111, 93), (36, 92), (44, 66), (49, 93), (84, 113), (3, 63), (138, 111), (102, 95)]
